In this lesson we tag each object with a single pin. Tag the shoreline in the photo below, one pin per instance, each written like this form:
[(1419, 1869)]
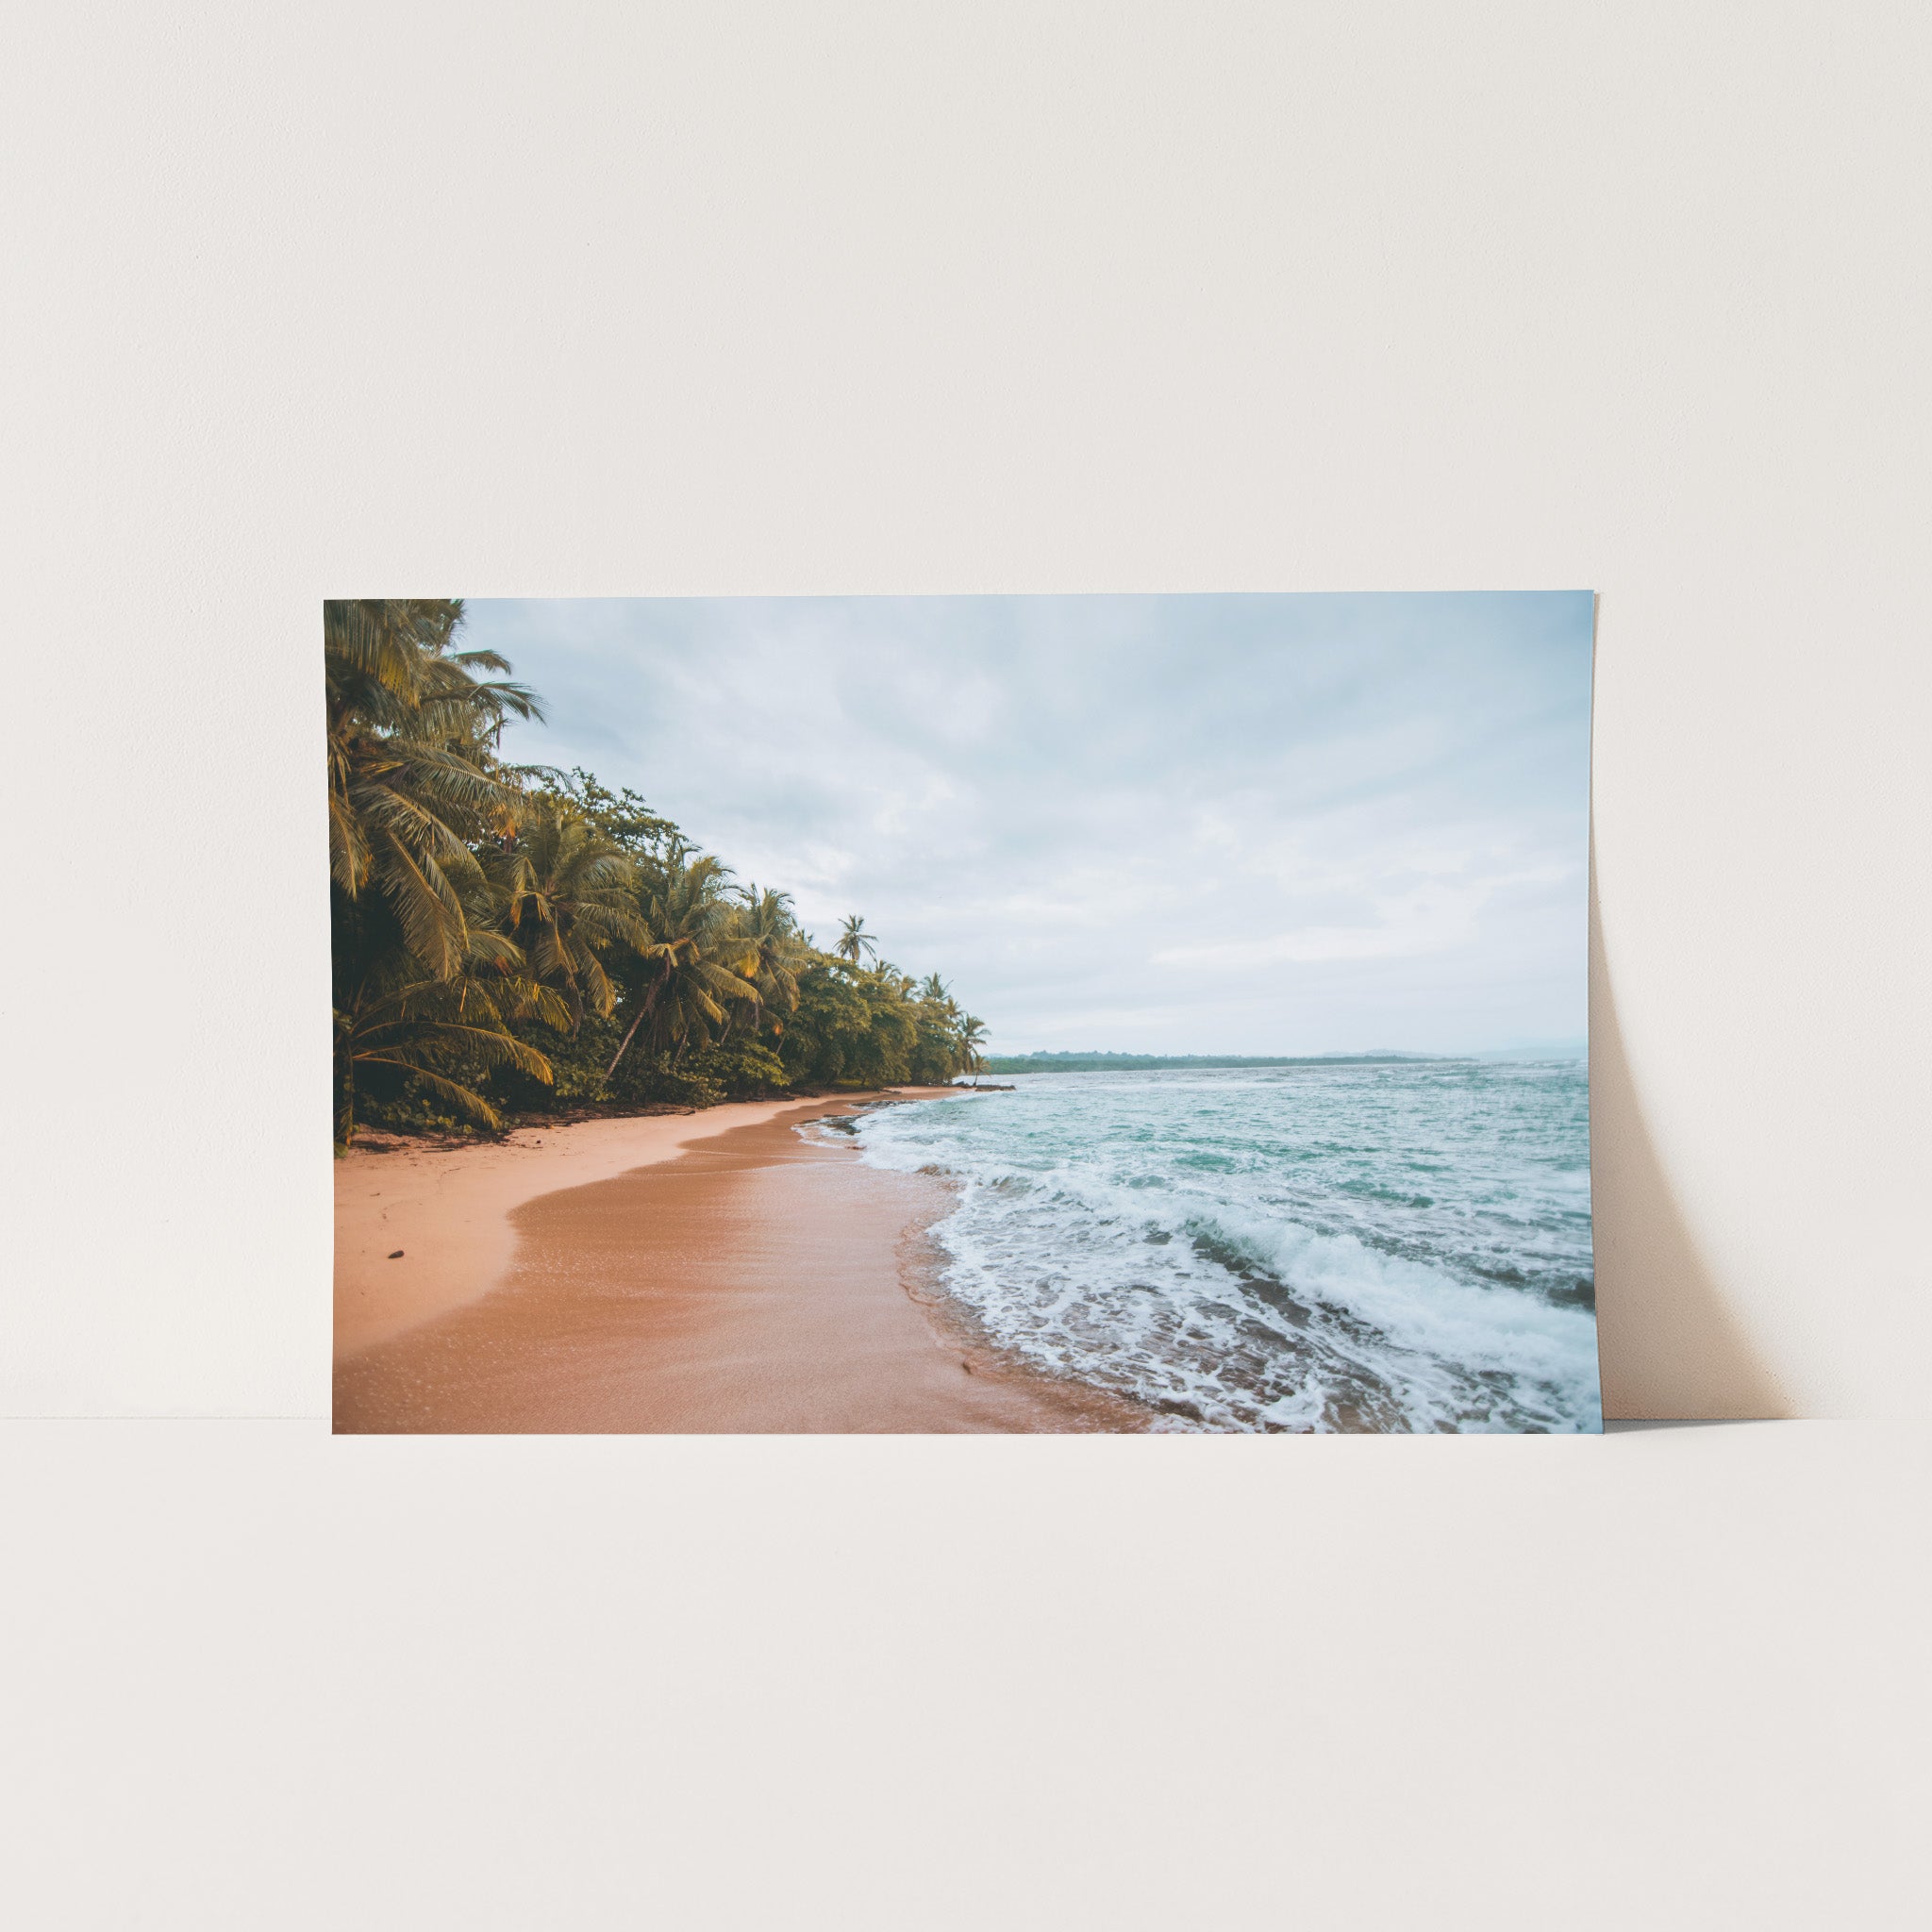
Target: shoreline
[(715, 1273)]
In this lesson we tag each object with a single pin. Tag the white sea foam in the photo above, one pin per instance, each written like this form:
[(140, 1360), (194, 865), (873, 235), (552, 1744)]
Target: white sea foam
[(1325, 1247)]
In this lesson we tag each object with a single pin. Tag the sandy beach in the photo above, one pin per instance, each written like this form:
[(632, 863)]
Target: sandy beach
[(709, 1273)]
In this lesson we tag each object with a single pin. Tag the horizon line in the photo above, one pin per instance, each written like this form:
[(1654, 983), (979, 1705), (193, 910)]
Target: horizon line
[(1559, 1049)]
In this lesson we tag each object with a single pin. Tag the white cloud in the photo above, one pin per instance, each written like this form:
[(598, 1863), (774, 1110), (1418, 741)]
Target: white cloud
[(1431, 919)]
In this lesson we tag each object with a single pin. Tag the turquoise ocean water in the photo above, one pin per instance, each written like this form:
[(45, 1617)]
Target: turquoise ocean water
[(1384, 1247)]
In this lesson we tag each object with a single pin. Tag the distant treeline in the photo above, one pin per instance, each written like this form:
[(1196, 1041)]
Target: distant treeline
[(1126, 1062), (507, 936)]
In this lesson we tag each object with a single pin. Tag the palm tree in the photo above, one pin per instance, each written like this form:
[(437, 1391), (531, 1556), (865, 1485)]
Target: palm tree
[(855, 942), (439, 1033), (422, 986), (770, 953), (682, 978), (413, 779), (565, 894), (971, 1034)]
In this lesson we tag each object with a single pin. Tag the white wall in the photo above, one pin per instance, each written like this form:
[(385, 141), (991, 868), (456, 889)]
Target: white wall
[(848, 298)]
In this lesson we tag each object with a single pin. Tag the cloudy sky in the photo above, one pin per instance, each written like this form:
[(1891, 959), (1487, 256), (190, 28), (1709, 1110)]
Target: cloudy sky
[(1165, 825)]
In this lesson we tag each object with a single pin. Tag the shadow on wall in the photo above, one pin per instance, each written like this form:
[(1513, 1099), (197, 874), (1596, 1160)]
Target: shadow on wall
[(1669, 1345)]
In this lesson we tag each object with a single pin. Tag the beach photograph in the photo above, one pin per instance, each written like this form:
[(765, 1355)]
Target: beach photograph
[(962, 1014)]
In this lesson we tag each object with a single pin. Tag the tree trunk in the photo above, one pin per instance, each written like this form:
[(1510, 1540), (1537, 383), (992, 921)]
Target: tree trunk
[(346, 1097), (650, 1002)]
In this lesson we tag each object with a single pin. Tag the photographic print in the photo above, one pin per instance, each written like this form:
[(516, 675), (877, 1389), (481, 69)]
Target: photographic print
[(962, 1013)]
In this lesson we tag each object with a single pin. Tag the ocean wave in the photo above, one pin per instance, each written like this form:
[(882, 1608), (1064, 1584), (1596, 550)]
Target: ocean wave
[(1192, 1243)]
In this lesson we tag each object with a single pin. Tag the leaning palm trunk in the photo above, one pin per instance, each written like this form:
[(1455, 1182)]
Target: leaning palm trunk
[(650, 1001)]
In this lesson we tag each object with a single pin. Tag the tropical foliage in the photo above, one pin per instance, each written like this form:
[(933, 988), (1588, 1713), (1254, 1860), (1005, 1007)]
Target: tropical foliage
[(507, 937)]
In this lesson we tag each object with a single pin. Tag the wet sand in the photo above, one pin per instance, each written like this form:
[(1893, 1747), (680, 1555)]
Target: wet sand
[(755, 1282)]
